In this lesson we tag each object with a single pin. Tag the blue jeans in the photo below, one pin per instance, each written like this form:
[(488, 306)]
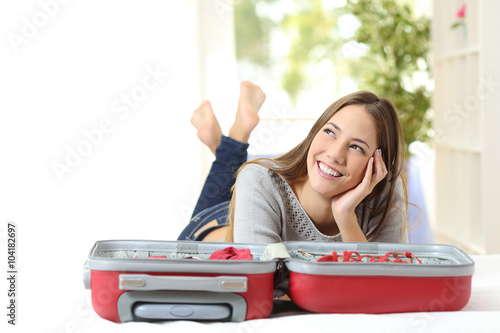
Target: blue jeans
[(211, 210)]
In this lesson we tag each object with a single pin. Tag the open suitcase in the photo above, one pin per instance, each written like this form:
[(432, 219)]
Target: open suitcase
[(134, 280)]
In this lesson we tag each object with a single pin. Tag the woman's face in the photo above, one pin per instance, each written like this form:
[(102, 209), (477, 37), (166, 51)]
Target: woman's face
[(339, 153)]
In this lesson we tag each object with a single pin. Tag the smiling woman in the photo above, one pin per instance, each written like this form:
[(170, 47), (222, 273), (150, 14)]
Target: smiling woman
[(343, 182), (337, 162)]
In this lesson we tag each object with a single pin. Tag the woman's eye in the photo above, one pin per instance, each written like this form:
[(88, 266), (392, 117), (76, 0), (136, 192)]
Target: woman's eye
[(329, 132), (358, 148)]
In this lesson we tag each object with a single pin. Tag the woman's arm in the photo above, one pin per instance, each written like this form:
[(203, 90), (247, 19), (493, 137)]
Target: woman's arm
[(257, 216)]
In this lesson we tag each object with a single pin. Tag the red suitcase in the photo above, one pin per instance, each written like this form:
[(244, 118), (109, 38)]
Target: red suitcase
[(132, 281), (129, 284), (441, 282)]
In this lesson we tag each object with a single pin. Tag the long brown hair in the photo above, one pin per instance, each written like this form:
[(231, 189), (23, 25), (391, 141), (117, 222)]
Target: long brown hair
[(292, 166)]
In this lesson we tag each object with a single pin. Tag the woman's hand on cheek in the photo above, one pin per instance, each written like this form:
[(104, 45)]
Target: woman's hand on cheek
[(343, 205)]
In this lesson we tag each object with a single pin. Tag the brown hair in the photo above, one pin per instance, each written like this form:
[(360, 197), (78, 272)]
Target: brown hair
[(292, 166)]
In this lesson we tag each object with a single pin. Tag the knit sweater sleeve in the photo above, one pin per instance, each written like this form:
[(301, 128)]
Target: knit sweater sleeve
[(257, 215)]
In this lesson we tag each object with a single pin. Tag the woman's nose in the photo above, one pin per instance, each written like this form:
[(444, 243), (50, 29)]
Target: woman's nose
[(336, 153)]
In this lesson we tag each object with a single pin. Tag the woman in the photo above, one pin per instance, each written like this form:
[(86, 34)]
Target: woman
[(342, 183)]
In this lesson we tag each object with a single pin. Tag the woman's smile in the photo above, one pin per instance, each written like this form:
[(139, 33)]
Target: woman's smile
[(328, 172)]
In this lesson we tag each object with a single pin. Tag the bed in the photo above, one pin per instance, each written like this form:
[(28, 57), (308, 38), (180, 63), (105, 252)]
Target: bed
[(481, 314)]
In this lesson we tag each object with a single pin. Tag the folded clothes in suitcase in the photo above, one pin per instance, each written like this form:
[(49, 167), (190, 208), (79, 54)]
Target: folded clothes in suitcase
[(133, 280)]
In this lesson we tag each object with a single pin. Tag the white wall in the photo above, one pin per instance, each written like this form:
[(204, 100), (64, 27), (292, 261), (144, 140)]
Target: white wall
[(466, 103), (67, 68)]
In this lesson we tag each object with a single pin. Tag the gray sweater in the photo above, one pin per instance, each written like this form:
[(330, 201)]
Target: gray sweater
[(267, 211)]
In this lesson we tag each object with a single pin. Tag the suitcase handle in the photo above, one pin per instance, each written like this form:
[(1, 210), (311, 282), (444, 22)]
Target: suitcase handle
[(200, 283), (86, 275), (129, 302)]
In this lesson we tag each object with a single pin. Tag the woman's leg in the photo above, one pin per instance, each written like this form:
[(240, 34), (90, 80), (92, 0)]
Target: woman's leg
[(229, 156), (230, 153)]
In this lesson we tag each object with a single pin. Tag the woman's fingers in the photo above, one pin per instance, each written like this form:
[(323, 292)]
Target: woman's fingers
[(380, 168), (375, 171), (366, 184)]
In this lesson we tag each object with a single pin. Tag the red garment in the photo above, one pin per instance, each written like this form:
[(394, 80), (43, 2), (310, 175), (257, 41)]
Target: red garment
[(330, 257), (231, 253), (353, 256)]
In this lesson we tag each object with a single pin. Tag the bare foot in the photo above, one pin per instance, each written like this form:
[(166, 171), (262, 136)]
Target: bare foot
[(209, 131), (249, 103)]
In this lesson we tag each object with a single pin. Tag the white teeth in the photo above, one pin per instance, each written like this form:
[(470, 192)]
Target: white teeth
[(328, 171)]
